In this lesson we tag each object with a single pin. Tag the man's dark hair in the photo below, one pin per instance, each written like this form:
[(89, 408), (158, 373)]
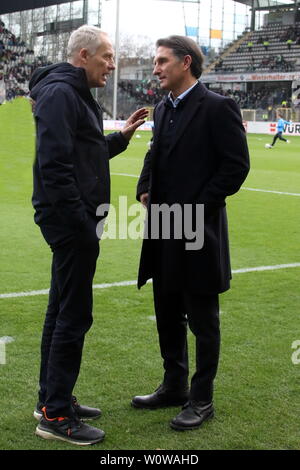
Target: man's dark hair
[(182, 46)]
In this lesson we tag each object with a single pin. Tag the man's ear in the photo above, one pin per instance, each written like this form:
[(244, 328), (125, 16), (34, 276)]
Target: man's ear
[(187, 61), (83, 54)]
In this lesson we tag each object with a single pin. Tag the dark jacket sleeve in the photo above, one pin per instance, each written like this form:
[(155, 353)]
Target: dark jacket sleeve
[(116, 143), (229, 139), (56, 114)]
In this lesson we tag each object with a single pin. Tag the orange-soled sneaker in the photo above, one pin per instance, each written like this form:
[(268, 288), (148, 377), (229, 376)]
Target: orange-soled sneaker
[(85, 413), (68, 429)]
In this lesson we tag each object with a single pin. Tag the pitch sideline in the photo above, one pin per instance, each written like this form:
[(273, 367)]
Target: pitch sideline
[(133, 283), (243, 187)]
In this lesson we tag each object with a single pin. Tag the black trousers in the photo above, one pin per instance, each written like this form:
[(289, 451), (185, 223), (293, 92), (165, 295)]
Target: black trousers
[(174, 311), (278, 136), (68, 316)]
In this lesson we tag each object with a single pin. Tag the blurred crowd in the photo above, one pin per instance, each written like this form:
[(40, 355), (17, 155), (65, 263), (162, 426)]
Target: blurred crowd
[(262, 98), (258, 99), (17, 63), (146, 92)]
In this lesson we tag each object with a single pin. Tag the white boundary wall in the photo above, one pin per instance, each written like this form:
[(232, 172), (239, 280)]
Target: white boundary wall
[(252, 127), (118, 125), (270, 128)]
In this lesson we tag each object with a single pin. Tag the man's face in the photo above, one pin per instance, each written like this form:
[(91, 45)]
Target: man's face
[(100, 65), (168, 68)]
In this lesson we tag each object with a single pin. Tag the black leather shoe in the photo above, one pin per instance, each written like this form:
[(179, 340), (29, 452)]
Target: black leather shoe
[(161, 398), (193, 414)]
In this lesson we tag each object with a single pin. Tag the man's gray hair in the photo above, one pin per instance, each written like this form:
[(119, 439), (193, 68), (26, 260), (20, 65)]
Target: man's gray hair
[(85, 37)]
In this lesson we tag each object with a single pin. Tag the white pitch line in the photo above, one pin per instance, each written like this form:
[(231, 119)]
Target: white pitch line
[(269, 191), (114, 284), (266, 268), (133, 283), (243, 187), (25, 294), (124, 174)]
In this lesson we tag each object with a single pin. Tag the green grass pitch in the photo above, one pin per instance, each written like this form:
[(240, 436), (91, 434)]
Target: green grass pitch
[(257, 387)]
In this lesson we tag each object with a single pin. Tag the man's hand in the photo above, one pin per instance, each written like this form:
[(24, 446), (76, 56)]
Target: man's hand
[(32, 102), (133, 122), (144, 199)]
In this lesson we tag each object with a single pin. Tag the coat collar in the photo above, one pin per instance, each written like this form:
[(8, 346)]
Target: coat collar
[(190, 109)]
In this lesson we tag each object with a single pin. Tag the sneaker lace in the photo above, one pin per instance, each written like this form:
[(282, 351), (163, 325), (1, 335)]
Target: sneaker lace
[(70, 425), (66, 423)]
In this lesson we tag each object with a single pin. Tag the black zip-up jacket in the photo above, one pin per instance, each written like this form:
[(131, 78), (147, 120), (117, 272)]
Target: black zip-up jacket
[(71, 168)]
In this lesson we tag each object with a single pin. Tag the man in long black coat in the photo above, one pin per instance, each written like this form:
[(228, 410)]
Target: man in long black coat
[(199, 156)]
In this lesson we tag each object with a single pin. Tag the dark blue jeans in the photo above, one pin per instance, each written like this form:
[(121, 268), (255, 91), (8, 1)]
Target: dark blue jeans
[(68, 316)]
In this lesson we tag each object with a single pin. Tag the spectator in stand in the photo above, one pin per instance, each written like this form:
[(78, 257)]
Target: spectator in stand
[(289, 43), (250, 46), (265, 61), (252, 63), (219, 65), (266, 44)]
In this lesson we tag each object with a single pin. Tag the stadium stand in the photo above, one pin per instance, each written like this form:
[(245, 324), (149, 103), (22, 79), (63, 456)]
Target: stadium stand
[(275, 47), (17, 63), (148, 93), (133, 92), (262, 98)]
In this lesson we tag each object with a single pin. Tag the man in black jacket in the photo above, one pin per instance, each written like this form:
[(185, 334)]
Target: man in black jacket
[(71, 179), (199, 156)]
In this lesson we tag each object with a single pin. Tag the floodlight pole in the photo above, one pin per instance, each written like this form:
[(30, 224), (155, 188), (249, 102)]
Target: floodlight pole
[(116, 73)]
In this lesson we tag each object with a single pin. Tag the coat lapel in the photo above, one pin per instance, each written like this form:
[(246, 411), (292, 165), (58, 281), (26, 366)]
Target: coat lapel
[(190, 109)]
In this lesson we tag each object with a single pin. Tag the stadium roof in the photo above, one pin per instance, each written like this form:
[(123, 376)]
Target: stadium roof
[(10, 6), (257, 4)]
